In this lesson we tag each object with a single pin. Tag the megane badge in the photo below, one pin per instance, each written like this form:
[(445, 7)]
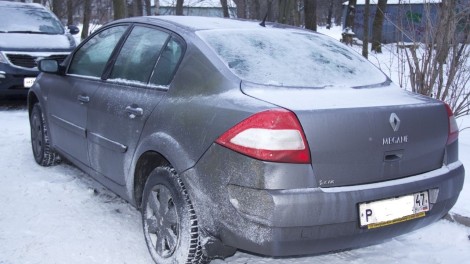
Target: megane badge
[(394, 122)]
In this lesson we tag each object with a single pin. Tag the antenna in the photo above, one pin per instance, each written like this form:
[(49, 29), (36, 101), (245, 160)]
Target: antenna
[(263, 23)]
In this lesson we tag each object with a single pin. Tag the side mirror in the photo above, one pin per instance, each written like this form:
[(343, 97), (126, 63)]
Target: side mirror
[(49, 66), (73, 29)]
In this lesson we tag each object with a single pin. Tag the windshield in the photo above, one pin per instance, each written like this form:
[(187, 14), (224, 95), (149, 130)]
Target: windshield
[(285, 57), (28, 19)]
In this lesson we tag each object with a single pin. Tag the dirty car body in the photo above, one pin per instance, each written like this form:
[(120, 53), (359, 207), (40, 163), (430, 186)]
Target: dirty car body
[(278, 141)]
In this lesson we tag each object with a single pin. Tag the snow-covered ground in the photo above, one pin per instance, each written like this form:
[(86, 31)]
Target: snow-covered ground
[(60, 215)]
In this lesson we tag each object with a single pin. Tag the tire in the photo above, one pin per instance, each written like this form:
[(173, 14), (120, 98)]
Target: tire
[(42, 151), (169, 221)]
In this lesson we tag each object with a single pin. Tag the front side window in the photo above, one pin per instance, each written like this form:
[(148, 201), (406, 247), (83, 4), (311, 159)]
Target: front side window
[(139, 54), (91, 58)]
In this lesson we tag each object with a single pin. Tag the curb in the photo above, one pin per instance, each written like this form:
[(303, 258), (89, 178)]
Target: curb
[(456, 218)]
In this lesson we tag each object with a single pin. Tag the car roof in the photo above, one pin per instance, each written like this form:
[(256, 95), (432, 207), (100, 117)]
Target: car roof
[(196, 23), (203, 23)]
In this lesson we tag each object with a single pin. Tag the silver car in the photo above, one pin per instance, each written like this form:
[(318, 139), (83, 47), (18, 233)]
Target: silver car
[(229, 135)]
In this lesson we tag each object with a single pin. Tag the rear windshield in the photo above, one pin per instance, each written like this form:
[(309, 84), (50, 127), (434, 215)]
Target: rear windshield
[(284, 57), (26, 19)]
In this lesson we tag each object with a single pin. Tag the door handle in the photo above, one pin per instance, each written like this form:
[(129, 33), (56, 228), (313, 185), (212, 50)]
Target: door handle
[(134, 111), (83, 98)]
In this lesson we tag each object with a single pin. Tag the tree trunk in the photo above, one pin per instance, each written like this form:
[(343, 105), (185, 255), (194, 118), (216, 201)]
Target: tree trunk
[(58, 8), (70, 11), (119, 9), (241, 6), (365, 41), (350, 15), (330, 15), (139, 7), (225, 7), (257, 10), (286, 8), (86, 18), (179, 7), (378, 25), (148, 8), (131, 8), (310, 9)]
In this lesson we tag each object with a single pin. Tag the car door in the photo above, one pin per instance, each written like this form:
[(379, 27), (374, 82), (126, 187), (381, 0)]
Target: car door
[(124, 102), (69, 95)]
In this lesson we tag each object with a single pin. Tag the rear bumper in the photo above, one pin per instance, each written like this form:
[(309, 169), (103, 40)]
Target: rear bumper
[(319, 220), (12, 79), (299, 221)]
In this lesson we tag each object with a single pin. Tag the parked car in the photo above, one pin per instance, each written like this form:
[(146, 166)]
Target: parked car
[(229, 135), (29, 32)]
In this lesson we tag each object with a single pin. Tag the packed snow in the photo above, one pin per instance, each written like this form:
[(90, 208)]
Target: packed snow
[(61, 215)]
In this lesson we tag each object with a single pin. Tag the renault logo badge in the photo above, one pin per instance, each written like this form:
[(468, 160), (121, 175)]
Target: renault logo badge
[(394, 122)]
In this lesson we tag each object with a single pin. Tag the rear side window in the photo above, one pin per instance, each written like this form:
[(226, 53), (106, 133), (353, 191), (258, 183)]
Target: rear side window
[(167, 63), (139, 54), (91, 58)]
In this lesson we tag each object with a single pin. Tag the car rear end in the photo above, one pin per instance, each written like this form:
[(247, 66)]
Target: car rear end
[(342, 158)]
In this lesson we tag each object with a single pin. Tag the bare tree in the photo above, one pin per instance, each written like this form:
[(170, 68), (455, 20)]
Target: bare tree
[(241, 6), (365, 40), (350, 15), (119, 7), (287, 12), (439, 67), (58, 8), (86, 18), (135, 8), (330, 15), (139, 4), (348, 33), (179, 7), (148, 8), (70, 11), (225, 7), (310, 9), (378, 25)]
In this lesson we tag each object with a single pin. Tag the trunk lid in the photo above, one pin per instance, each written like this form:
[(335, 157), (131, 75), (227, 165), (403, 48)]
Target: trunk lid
[(359, 136)]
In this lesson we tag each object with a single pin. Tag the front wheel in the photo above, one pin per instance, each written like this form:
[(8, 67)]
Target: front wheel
[(169, 220), (43, 153)]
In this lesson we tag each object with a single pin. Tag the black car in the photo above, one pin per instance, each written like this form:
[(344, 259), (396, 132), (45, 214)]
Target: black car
[(28, 33)]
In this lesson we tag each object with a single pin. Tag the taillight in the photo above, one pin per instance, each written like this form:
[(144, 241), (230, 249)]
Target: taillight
[(273, 135), (453, 128)]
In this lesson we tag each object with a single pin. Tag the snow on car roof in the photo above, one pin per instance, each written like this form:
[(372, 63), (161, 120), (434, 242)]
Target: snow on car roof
[(196, 3), (200, 23), (397, 2)]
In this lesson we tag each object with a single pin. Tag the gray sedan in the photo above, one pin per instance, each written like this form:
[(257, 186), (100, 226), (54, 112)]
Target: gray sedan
[(228, 135)]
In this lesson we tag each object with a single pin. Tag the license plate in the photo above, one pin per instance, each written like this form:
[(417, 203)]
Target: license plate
[(394, 210), (28, 82)]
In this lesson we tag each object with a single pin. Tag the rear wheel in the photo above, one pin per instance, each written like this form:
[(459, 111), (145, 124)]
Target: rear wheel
[(43, 153), (169, 220)]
